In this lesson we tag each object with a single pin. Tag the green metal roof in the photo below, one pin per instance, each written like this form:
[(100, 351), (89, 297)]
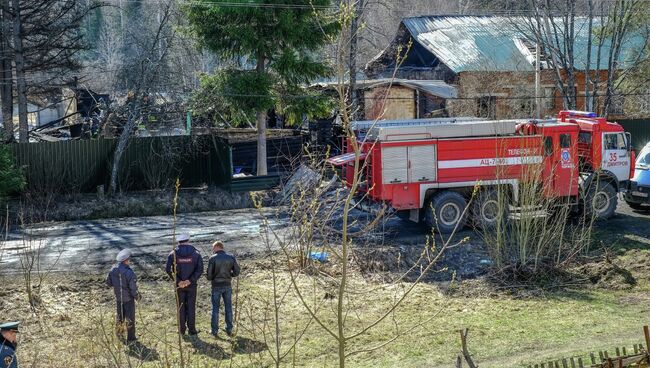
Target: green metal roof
[(488, 43)]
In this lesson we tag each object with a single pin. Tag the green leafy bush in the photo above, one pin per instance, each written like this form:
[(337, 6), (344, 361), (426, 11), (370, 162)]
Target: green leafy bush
[(12, 179)]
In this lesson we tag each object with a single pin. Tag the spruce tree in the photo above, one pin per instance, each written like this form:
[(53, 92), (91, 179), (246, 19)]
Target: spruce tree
[(277, 45)]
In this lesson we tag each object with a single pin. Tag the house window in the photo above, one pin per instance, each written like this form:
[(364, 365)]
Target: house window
[(486, 107)]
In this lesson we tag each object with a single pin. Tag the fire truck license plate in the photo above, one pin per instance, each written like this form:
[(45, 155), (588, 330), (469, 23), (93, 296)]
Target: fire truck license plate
[(639, 194)]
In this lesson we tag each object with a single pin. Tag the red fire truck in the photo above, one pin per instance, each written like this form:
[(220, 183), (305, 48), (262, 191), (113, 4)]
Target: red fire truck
[(427, 170)]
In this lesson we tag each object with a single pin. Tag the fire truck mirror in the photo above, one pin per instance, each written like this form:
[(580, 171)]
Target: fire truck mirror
[(628, 141)]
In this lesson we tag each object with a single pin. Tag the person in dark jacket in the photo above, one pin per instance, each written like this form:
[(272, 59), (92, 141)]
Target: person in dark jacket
[(185, 266), (8, 344), (222, 267), (124, 283)]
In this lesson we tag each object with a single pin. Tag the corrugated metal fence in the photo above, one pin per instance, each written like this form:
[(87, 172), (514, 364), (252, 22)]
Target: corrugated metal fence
[(281, 154), (148, 163), (640, 131)]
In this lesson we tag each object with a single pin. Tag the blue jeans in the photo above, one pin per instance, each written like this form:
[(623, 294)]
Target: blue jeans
[(217, 294)]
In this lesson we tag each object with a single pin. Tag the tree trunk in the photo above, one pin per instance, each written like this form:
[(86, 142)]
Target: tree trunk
[(595, 82), (587, 105), (261, 144), (569, 42), (6, 79), (122, 143), (354, 42), (23, 127), (261, 130), (545, 27), (621, 18)]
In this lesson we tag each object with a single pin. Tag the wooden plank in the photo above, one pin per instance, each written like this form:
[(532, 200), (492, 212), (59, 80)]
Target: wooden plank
[(635, 359)]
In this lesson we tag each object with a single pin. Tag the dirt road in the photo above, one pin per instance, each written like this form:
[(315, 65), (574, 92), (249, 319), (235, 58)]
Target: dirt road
[(90, 246)]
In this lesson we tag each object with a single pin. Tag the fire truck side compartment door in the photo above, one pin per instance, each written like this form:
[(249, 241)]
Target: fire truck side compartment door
[(422, 161), (394, 164)]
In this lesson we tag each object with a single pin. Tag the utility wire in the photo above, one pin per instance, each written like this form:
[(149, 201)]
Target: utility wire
[(478, 12)]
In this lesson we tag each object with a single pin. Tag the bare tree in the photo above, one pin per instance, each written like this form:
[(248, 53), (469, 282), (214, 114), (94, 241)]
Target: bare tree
[(41, 40), (357, 9), (554, 26), (323, 220), (617, 29), (110, 58), (21, 84), (147, 64), (6, 85), (273, 328)]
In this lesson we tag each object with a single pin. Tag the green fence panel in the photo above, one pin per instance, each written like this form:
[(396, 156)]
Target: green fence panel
[(147, 163), (640, 131)]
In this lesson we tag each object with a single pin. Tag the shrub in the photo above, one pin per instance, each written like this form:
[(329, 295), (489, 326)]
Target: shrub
[(12, 179)]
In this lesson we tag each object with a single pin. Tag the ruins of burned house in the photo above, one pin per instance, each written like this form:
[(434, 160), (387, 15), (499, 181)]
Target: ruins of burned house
[(491, 62), (61, 113)]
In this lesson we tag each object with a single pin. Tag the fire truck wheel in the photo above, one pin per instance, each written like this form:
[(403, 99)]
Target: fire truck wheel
[(486, 211), (601, 200), (445, 212)]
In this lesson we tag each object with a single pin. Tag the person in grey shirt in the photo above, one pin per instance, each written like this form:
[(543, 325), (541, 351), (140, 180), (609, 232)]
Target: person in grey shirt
[(222, 267), (124, 283)]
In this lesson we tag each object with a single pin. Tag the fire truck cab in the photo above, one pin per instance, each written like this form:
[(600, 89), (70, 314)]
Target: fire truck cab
[(428, 170)]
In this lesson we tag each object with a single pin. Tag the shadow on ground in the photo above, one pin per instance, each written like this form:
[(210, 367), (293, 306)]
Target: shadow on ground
[(211, 350), (243, 345), (140, 351)]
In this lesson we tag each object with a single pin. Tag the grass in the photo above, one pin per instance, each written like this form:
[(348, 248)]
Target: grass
[(74, 328)]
